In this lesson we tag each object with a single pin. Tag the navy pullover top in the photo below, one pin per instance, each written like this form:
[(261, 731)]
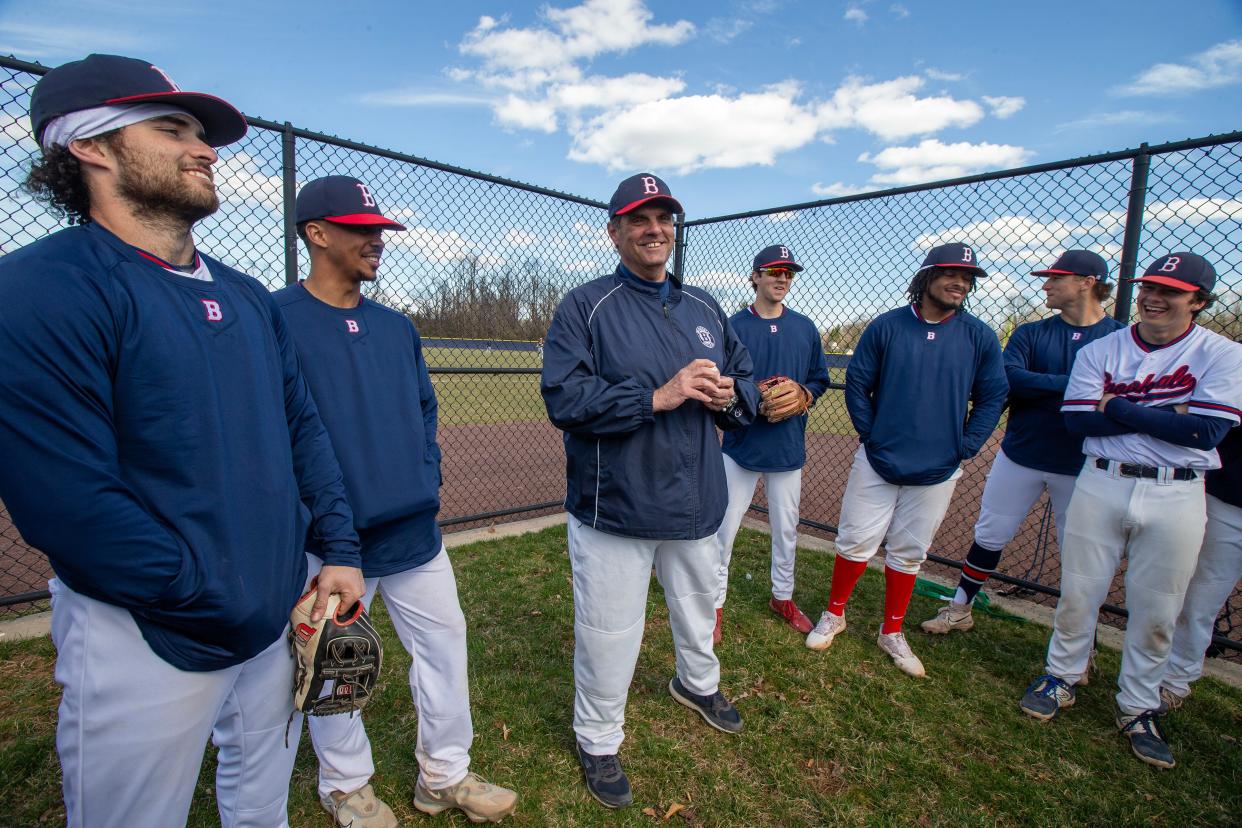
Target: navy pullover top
[(787, 345), (160, 444), (365, 367), (1038, 359), (907, 390), (631, 471), (1225, 483)]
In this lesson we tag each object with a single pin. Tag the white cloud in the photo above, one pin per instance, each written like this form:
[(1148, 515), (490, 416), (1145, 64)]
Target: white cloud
[(899, 11), (1004, 106), (529, 57), (856, 15), (40, 41), (836, 189), (526, 114), (417, 97), (940, 75), (698, 131), (891, 110), (519, 238), (439, 246), (723, 30), (592, 236), (932, 160), (599, 92), (240, 178), (782, 217), (1193, 210), (1219, 65)]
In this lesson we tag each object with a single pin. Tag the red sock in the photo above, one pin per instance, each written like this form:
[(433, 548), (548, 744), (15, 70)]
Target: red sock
[(898, 587), (845, 574)]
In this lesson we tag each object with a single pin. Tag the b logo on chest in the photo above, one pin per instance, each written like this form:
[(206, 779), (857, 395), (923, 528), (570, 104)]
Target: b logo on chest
[(1076, 335), (213, 310), (931, 335), (773, 328), (351, 326), (705, 336)]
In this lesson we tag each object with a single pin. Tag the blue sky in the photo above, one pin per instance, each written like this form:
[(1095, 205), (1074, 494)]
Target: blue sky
[(739, 104)]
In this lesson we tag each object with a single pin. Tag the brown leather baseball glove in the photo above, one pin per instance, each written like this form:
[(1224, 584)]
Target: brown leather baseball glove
[(783, 398)]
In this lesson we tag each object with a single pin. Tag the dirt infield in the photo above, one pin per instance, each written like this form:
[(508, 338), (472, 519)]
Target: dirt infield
[(501, 466)]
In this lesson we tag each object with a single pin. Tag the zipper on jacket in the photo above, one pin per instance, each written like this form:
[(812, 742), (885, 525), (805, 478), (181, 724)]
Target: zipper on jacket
[(665, 304)]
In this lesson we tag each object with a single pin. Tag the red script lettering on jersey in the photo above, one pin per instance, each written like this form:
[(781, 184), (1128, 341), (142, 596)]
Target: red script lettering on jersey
[(1181, 381)]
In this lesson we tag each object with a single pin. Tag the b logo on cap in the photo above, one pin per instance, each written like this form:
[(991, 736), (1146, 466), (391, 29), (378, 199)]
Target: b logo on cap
[(649, 185), (784, 252), (967, 254), (368, 200), (169, 80), (1170, 264)]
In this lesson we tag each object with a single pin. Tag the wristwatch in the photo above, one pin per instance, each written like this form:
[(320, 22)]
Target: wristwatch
[(730, 408)]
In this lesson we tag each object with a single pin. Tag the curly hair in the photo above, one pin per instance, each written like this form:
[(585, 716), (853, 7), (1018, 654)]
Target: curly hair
[(56, 181), (923, 278)]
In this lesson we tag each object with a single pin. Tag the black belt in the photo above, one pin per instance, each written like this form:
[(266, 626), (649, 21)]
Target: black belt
[(1135, 470)]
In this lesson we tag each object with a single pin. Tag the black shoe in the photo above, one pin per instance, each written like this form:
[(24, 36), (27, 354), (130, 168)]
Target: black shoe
[(605, 780), (715, 709)]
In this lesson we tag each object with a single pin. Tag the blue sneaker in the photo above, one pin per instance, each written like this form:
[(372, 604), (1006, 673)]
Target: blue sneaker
[(1046, 696), (605, 779), (1146, 738), (715, 709)]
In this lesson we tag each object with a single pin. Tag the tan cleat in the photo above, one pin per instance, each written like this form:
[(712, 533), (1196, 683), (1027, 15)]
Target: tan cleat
[(895, 645), (360, 809), (828, 628), (952, 616), (475, 796)]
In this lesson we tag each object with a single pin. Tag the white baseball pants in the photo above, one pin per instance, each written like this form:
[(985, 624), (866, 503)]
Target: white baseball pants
[(611, 575), (873, 508), (784, 491), (1008, 495), (1158, 525), (1218, 571), (132, 728), (422, 604)]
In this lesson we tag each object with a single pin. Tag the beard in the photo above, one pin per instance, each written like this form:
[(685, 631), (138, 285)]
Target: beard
[(159, 191)]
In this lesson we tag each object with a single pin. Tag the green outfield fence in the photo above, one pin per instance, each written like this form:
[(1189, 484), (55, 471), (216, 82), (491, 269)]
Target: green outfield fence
[(485, 259)]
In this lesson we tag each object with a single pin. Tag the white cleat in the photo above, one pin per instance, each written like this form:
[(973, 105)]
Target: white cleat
[(899, 651), (827, 629)]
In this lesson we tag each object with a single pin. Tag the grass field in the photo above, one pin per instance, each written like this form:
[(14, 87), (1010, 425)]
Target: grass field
[(838, 738), (484, 399)]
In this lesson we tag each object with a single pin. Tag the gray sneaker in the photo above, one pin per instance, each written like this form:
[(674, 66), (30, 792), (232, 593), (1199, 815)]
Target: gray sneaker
[(1046, 696), (1170, 700), (828, 628), (605, 778), (952, 616), (475, 796), (715, 709), (1146, 738), (358, 809)]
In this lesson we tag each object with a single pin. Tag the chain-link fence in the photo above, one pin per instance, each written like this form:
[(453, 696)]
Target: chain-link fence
[(485, 261), (860, 253)]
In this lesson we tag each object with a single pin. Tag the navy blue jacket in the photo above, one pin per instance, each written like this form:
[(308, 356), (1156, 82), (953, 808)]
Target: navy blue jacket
[(366, 369), (907, 389), (160, 444), (1225, 483), (788, 345), (1038, 359), (629, 471)]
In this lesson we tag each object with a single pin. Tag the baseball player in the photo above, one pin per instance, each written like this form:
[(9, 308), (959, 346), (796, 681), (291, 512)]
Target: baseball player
[(1037, 453), (1217, 571), (639, 370), (161, 446), (1152, 401), (781, 342), (924, 390), (364, 363)]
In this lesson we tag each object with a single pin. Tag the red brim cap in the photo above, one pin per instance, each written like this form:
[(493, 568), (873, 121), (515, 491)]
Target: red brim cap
[(674, 204), (794, 266), (1167, 281), (366, 219), (1053, 272)]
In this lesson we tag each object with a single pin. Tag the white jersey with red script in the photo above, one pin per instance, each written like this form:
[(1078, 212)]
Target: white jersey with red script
[(1200, 369)]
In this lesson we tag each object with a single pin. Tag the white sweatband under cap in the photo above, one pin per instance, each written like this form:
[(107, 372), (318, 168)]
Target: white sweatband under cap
[(87, 123)]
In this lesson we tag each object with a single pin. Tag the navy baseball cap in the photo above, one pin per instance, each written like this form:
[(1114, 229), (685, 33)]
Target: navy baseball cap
[(776, 255), (1077, 263), (109, 80), (340, 200), (637, 190), (1184, 271), (953, 254)]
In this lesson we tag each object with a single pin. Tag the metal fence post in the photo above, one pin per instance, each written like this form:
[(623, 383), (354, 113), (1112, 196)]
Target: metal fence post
[(288, 174), (1134, 230), (679, 246)]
